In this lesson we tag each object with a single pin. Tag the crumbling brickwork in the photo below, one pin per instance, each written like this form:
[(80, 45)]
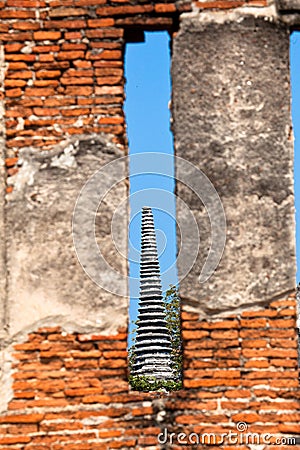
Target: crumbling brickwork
[(64, 378), (70, 391), (65, 66)]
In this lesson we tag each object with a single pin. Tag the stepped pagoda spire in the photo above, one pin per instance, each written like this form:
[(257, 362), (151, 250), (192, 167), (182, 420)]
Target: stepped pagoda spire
[(153, 345)]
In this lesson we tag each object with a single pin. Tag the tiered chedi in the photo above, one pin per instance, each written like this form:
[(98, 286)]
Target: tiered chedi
[(153, 345)]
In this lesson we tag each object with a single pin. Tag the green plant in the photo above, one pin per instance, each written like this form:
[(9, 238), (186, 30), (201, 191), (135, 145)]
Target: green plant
[(172, 308), (147, 384)]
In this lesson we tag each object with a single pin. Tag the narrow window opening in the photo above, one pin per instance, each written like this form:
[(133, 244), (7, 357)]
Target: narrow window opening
[(295, 91), (154, 323), (295, 88)]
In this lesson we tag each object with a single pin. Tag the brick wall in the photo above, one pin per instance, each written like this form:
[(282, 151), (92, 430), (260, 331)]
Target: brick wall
[(64, 76), (70, 390), (65, 65)]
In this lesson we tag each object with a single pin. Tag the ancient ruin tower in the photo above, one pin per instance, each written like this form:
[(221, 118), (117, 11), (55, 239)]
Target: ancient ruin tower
[(153, 345)]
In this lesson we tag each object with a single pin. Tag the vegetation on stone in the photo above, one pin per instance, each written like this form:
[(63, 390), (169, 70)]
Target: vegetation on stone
[(146, 384)]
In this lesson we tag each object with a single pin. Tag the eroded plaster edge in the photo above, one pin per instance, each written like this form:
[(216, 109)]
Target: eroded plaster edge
[(3, 267), (268, 13)]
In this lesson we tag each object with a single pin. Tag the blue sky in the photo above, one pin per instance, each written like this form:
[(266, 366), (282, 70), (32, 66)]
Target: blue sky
[(148, 91)]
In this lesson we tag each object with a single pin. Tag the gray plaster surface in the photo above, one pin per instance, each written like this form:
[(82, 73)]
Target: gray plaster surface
[(231, 118), (288, 6), (2, 199), (46, 283)]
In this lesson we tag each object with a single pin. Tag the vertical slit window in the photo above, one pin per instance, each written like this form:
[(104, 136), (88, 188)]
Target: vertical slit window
[(152, 185)]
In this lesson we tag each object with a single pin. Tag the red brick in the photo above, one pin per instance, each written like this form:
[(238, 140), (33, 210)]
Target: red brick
[(73, 35), (285, 383), (14, 92), (26, 26), (86, 354), (24, 74), (265, 393), (52, 65), (102, 45), (165, 8), (246, 417), (48, 73), (39, 92), (75, 112), (253, 323), (97, 399), (45, 111), (113, 363), (107, 63), (10, 162), (283, 362), (84, 91), (108, 71), (254, 343), (238, 393), (105, 33), (115, 354), (82, 64), (45, 83), (14, 83), (224, 324), (14, 440), (282, 323), (284, 353), (194, 334), (46, 58), (109, 81), (25, 3), (46, 49), (69, 46), (20, 57), (22, 418), (211, 382), (12, 48), (90, 2), (267, 333), (67, 12), (70, 55), (77, 81), (287, 312), (284, 343), (47, 35), (278, 374), (260, 313), (59, 101), (83, 392), (123, 10), (17, 66), (16, 14), (109, 434), (95, 23), (65, 24), (229, 334), (231, 353)]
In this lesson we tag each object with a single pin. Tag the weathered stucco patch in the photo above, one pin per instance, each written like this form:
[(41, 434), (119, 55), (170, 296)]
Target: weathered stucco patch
[(231, 105), (45, 279), (2, 198)]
